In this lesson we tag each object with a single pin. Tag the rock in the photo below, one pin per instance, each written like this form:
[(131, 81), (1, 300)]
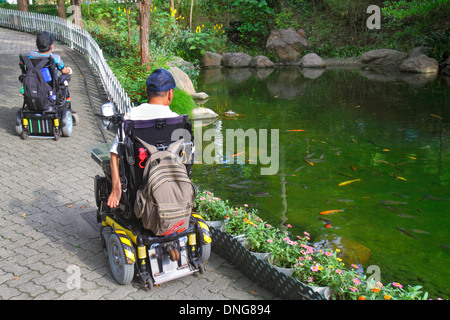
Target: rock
[(418, 51), (420, 64), (181, 63), (236, 60), (203, 113), (200, 96), (383, 58), (211, 60), (182, 80), (261, 62), (286, 45), (301, 33), (312, 60)]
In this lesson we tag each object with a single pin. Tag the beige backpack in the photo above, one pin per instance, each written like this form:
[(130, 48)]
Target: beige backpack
[(164, 202)]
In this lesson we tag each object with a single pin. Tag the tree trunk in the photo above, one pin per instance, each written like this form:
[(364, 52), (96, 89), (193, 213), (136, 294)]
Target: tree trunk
[(22, 5), (128, 22), (144, 13), (76, 10), (61, 9), (190, 15)]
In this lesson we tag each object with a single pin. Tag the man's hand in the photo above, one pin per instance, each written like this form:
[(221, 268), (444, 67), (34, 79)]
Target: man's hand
[(114, 197), (67, 70)]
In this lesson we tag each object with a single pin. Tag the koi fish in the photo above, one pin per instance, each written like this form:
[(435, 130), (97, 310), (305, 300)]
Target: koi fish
[(328, 222), (309, 162), (296, 130), (347, 182), (331, 211), (403, 230), (399, 178)]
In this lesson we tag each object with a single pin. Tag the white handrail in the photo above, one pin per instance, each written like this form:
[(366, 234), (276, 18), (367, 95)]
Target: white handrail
[(75, 37)]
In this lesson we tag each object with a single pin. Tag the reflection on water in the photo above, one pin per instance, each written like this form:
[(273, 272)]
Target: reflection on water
[(383, 137)]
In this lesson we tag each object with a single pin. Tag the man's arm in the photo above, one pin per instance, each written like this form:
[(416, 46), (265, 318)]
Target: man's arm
[(116, 193)]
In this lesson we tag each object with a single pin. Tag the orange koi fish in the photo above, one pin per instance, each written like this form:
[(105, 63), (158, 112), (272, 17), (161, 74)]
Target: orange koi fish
[(296, 130), (331, 211)]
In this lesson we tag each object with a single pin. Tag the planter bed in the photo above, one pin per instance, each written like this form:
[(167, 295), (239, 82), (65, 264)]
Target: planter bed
[(260, 271)]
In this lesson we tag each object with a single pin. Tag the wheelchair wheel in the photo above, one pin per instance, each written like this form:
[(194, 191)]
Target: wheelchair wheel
[(122, 272), (204, 252), (67, 123), (19, 128), (76, 119)]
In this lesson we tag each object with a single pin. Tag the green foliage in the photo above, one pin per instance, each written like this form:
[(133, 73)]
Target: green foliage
[(403, 9), (256, 16)]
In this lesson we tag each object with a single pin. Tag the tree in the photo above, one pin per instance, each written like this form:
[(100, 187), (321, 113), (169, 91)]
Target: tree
[(61, 9), (76, 10), (144, 13), (22, 5)]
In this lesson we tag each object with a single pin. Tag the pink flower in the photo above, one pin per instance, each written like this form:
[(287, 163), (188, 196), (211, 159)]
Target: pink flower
[(310, 279), (356, 281), (269, 240), (339, 271), (354, 266), (397, 285), (353, 289), (289, 226), (328, 254), (314, 268)]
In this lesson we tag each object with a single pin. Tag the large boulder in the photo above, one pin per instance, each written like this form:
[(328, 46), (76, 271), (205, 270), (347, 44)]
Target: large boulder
[(312, 60), (182, 80), (383, 58), (261, 62), (420, 64), (236, 60), (211, 60), (286, 45)]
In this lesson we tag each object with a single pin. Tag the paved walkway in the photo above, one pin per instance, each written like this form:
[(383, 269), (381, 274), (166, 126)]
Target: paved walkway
[(47, 249)]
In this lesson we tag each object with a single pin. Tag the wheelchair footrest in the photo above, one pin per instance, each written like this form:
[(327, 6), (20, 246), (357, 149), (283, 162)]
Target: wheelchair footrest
[(164, 267)]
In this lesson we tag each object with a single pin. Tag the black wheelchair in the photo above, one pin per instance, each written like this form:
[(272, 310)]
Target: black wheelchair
[(133, 251), (53, 118)]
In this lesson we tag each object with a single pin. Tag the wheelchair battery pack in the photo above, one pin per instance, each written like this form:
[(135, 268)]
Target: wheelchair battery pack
[(40, 126)]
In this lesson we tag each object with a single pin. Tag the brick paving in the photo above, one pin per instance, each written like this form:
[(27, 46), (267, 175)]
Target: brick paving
[(47, 249)]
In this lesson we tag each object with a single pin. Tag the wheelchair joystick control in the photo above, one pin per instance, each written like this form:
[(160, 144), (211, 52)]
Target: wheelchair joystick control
[(143, 155)]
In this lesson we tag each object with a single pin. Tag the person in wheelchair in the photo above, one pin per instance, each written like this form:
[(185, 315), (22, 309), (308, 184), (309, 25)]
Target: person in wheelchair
[(156, 237), (47, 108), (44, 44), (160, 91)]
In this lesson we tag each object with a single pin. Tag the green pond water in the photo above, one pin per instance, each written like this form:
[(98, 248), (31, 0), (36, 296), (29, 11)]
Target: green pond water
[(389, 131)]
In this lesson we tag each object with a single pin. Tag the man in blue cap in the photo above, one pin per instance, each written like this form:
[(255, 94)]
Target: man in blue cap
[(44, 44), (160, 91)]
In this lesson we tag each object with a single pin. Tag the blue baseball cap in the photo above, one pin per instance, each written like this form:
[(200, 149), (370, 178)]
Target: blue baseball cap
[(160, 80)]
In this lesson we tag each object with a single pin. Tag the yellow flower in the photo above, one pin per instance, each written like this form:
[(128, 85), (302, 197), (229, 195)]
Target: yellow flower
[(386, 297), (361, 298), (339, 259), (337, 250)]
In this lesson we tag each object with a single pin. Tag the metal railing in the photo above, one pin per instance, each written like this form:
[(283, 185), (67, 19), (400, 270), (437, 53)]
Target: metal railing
[(75, 37)]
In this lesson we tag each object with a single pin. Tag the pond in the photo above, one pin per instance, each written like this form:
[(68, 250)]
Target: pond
[(375, 146)]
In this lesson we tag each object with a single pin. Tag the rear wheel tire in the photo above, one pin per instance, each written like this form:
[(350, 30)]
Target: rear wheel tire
[(67, 123), (122, 272)]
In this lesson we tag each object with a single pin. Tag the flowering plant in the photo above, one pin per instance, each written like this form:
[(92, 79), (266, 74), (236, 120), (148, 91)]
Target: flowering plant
[(210, 207)]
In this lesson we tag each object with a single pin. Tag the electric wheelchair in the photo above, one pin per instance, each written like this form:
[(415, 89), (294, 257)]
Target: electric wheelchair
[(52, 117), (133, 251)]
